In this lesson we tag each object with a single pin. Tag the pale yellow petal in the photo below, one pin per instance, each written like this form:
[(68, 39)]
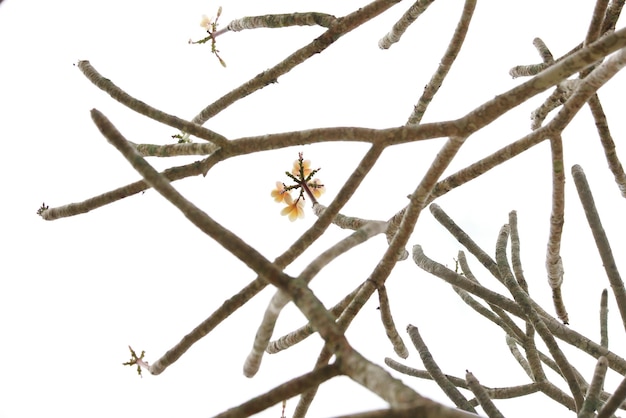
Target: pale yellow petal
[(279, 192), (295, 170), (205, 22), (293, 215), (286, 210)]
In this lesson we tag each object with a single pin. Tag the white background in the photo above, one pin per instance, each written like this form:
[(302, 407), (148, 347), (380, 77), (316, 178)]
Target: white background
[(75, 292)]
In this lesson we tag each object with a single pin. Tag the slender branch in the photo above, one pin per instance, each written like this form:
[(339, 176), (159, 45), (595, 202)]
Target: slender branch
[(389, 325), (612, 15), (595, 26), (428, 409), (424, 374), (534, 69), (494, 393), (500, 318), (307, 330), (457, 232), (175, 150), (536, 373), (543, 50), (342, 221), (448, 388), (592, 398), (519, 357), (562, 92), (78, 208), (205, 327), (282, 21), (482, 396), (602, 242), (554, 263), (604, 319), (140, 107), (608, 144), (403, 24), (455, 279), (516, 260), (444, 64), (285, 391), (532, 354)]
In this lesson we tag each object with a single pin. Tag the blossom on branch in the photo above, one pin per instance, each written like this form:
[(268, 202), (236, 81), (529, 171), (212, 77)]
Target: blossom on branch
[(210, 25), (302, 176), (279, 193), (304, 165), (294, 209), (317, 188)]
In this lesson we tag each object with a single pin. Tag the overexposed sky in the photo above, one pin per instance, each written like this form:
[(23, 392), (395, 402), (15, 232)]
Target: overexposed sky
[(75, 292)]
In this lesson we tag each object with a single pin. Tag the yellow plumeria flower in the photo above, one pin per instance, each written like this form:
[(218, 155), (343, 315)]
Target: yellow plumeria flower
[(279, 192), (317, 188), (295, 210), (306, 165)]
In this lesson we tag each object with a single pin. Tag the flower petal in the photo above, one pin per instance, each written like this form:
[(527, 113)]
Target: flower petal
[(279, 192), (205, 22)]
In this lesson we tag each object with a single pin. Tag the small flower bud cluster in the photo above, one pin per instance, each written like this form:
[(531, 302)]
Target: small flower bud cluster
[(210, 25), (302, 175)]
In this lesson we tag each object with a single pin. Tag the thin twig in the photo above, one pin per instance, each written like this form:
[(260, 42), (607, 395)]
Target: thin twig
[(444, 64), (612, 15), (482, 396), (604, 319), (602, 242), (608, 145), (457, 232), (78, 208), (519, 357), (458, 280), (498, 316), (307, 330), (403, 24), (285, 391), (175, 150), (595, 26), (389, 325), (448, 387), (554, 263), (516, 259), (592, 398)]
